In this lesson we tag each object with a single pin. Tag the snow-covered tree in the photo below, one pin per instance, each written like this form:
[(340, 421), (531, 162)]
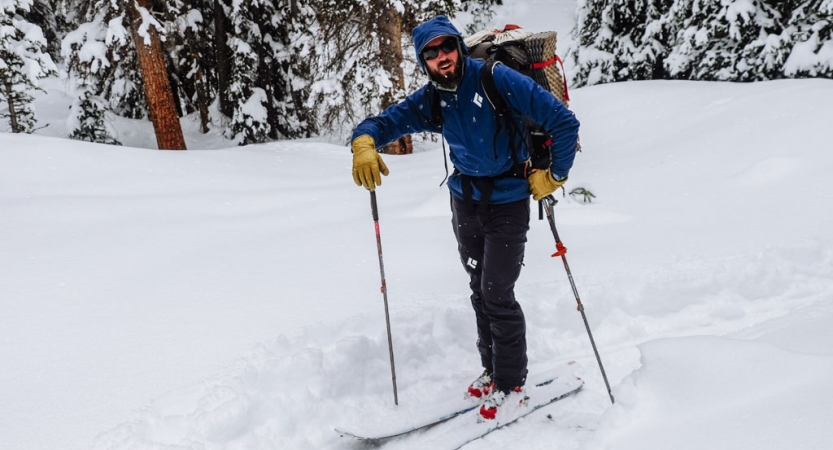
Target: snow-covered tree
[(810, 36), (719, 40), (87, 120), (192, 62), (726, 40), (116, 54), (253, 56), (56, 18), (42, 14), (100, 54), (265, 72), (103, 70), (620, 40), (148, 34), (23, 61), (364, 49), (593, 55), (250, 116), (294, 48), (482, 13)]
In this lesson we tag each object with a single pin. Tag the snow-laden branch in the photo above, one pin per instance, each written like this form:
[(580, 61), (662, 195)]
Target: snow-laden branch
[(146, 22)]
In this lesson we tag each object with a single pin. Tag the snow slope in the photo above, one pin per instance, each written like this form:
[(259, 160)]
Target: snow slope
[(229, 298)]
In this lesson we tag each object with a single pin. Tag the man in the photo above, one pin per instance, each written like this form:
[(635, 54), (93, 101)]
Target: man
[(489, 196)]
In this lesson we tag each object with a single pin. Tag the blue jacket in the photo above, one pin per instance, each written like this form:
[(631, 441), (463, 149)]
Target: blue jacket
[(476, 146)]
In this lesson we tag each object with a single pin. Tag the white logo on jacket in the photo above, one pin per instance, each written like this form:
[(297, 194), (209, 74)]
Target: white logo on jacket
[(478, 100)]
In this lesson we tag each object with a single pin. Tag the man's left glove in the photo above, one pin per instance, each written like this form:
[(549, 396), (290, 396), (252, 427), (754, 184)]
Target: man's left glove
[(367, 163), (542, 183)]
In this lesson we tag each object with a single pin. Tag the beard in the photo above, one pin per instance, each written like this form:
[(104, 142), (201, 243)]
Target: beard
[(449, 81)]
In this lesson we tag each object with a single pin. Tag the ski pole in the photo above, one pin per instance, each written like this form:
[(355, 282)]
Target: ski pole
[(549, 204), (375, 210)]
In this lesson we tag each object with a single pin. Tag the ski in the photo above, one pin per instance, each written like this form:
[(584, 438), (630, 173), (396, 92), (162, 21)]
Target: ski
[(379, 436), (538, 398), (461, 413)]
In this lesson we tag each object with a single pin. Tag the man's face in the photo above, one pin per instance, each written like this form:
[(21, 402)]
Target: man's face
[(441, 58)]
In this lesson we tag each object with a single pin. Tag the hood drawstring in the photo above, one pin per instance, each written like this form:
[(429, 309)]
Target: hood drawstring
[(437, 119), (445, 161)]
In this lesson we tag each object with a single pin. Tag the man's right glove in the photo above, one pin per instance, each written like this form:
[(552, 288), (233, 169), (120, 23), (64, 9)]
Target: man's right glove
[(542, 184), (367, 163)]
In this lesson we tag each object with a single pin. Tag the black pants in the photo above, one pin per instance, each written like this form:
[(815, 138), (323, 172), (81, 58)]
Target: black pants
[(491, 245)]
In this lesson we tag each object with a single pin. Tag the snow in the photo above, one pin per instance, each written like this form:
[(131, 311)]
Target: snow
[(726, 408), (22, 39), (228, 297), (809, 56), (92, 46), (10, 5), (116, 32), (147, 21), (253, 108)]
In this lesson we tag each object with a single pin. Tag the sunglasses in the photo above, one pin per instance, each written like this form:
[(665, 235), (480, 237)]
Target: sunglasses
[(447, 46)]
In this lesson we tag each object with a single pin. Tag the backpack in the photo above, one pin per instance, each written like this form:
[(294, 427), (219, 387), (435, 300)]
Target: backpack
[(532, 54)]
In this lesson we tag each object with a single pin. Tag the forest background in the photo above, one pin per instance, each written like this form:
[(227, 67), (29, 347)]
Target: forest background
[(258, 71)]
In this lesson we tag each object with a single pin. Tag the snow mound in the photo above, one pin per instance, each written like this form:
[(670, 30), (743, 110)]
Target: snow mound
[(713, 392)]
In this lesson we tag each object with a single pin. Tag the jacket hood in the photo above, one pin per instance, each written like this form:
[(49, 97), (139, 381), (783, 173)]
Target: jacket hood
[(436, 27)]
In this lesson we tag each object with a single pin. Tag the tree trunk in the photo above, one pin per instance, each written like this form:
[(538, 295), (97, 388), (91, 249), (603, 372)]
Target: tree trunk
[(177, 94), (223, 58), (264, 78), (390, 55), (403, 146), (202, 101), (200, 84), (12, 111), (161, 107)]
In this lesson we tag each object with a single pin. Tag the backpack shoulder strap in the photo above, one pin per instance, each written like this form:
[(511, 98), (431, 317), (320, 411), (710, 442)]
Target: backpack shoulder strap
[(502, 113), (487, 80)]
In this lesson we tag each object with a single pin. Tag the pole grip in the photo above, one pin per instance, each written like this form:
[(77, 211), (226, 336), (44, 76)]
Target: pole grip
[(373, 207)]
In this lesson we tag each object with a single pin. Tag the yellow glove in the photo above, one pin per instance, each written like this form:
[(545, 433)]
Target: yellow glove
[(367, 164), (542, 183)]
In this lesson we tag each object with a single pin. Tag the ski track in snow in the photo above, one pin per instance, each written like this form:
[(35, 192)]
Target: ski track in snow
[(295, 389)]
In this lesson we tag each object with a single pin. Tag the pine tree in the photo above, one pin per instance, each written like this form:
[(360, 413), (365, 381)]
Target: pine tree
[(809, 36), (116, 53), (100, 55), (46, 15), (356, 74), (482, 13), (265, 87), (249, 121), (713, 36), (85, 50), (88, 123), (294, 48), (23, 61), (192, 65), (620, 40), (253, 56), (593, 54), (650, 34), (146, 31), (722, 40)]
